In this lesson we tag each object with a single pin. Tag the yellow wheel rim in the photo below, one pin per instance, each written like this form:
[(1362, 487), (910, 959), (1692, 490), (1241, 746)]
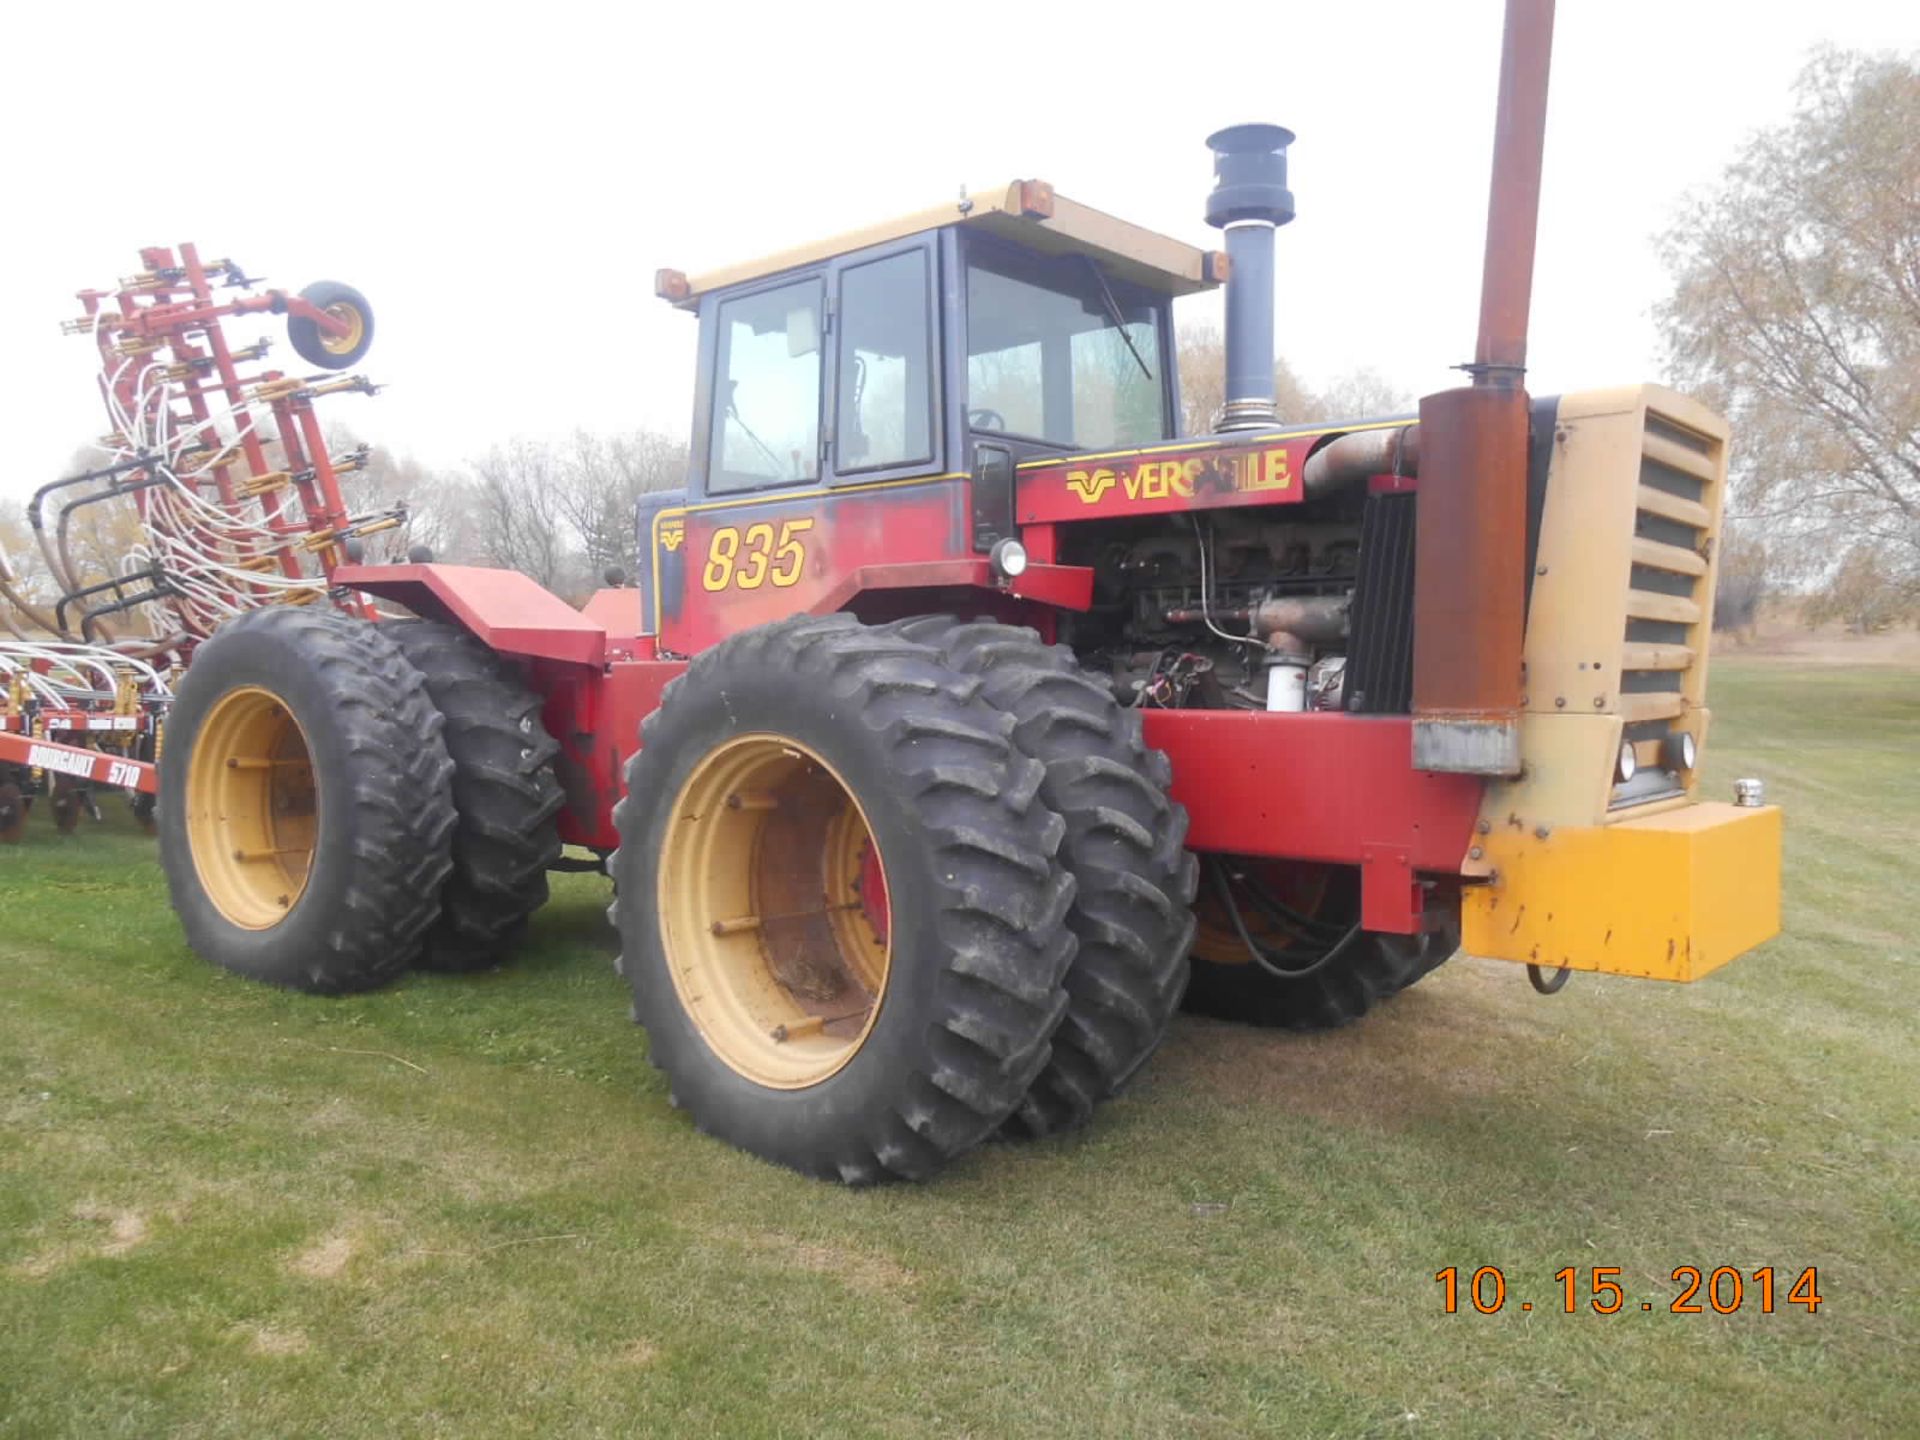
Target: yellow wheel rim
[(252, 814), (778, 944), (356, 330)]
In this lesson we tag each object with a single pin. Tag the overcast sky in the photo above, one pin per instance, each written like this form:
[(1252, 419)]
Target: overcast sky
[(502, 182)]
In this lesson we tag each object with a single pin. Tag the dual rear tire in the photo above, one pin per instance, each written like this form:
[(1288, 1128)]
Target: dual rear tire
[(340, 800)]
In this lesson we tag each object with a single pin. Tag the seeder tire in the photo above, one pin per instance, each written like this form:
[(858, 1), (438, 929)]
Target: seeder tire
[(504, 793), (325, 874), (817, 761), (66, 802), (13, 813), (333, 352), (1124, 846)]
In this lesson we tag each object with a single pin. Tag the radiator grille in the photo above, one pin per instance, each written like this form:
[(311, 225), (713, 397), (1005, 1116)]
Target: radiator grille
[(1380, 650), (1669, 599)]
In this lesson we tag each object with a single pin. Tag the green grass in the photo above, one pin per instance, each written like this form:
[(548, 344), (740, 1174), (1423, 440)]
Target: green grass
[(464, 1207)]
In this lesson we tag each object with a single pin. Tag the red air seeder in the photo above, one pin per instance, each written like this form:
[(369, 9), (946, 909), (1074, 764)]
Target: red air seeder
[(239, 502)]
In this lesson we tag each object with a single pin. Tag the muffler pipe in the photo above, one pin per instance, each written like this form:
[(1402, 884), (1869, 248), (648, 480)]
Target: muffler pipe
[(1359, 455), (1469, 613), (1316, 619)]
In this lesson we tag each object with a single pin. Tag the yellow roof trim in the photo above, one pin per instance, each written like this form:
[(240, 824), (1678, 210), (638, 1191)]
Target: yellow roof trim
[(1143, 256)]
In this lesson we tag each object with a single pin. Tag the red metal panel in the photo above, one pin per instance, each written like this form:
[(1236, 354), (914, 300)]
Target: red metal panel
[(725, 566), (1199, 475), (1042, 542), (1313, 787), (96, 765), (1067, 586), (615, 611), (1390, 898), (595, 715), (505, 610)]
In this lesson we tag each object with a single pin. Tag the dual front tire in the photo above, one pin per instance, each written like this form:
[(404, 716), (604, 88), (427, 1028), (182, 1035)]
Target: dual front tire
[(884, 891), (867, 917)]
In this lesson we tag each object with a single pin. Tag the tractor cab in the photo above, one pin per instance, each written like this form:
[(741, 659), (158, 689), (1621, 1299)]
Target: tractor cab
[(908, 368)]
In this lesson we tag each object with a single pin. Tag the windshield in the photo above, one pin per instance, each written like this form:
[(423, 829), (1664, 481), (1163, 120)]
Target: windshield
[(1047, 361)]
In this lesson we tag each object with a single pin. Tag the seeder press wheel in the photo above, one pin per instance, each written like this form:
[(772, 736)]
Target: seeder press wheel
[(13, 813), (68, 800)]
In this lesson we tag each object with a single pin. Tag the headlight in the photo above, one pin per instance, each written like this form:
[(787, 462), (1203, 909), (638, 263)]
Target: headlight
[(1679, 750), (1628, 765), (1009, 557)]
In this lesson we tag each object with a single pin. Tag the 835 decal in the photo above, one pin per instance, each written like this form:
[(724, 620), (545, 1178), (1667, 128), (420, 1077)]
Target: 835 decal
[(758, 555)]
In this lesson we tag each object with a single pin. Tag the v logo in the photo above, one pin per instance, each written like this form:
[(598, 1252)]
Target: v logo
[(1090, 487)]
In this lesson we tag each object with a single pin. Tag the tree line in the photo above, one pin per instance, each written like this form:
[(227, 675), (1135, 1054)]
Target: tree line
[(562, 512), (1795, 311)]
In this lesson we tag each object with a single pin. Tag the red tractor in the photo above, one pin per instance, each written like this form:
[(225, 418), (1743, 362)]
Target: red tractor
[(963, 716)]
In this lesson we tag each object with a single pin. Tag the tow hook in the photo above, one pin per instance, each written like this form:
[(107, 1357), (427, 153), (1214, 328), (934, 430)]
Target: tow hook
[(1548, 983)]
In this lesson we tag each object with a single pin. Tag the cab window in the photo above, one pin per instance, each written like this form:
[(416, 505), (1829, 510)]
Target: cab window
[(1059, 352), (766, 404), (885, 392)]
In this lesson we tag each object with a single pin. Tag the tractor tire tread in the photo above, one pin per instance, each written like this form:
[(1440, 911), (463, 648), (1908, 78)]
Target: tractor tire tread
[(999, 900), (1380, 967), (504, 791), (1125, 845), (399, 791)]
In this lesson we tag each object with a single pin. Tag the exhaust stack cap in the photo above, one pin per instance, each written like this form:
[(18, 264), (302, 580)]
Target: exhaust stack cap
[(1250, 175), (1250, 200)]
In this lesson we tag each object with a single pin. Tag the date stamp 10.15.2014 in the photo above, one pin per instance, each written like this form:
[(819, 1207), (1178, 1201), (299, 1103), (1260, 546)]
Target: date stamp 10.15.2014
[(1597, 1290)]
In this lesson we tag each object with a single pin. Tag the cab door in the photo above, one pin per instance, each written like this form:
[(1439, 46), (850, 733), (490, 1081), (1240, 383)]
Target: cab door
[(819, 446)]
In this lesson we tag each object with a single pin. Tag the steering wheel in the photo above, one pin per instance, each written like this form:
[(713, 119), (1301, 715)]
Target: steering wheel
[(986, 420)]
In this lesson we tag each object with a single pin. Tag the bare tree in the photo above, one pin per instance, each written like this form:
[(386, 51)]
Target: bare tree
[(434, 502), (1861, 594), (1746, 578), (1203, 360), (27, 591), (1796, 308), (600, 481), (517, 516), (1359, 395)]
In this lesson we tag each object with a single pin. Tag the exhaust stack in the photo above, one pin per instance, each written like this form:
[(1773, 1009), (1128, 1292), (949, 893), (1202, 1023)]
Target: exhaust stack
[(1250, 200), (1469, 609)]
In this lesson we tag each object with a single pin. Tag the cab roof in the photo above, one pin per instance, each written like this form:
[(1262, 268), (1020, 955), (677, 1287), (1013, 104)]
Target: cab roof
[(1029, 212)]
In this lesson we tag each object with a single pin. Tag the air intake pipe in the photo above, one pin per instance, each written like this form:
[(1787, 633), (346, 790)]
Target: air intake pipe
[(1250, 200)]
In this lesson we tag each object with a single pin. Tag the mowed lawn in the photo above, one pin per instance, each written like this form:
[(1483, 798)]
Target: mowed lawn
[(464, 1206)]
